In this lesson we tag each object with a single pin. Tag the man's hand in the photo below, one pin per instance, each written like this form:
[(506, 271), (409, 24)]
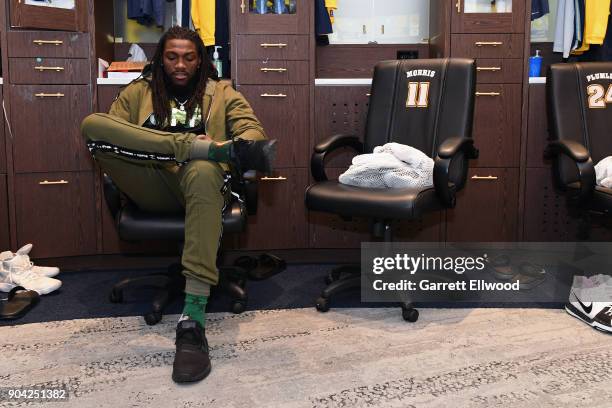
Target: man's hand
[(203, 137)]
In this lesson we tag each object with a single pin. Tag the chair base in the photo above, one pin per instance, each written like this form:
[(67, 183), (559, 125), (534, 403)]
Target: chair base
[(171, 286), (348, 277)]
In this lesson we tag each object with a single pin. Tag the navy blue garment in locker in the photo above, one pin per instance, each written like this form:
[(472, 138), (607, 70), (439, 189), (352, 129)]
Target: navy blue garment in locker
[(322, 21), (539, 8), (186, 15), (147, 12)]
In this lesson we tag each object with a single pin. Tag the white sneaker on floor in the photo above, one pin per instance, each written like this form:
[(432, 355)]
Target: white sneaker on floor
[(12, 274), (596, 314), (23, 259)]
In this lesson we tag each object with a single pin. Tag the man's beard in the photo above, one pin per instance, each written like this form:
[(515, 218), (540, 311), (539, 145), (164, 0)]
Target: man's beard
[(181, 91)]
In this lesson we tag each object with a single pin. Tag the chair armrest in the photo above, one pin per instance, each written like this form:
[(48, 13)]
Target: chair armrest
[(570, 148), (583, 188), (451, 168), (317, 166), (112, 196)]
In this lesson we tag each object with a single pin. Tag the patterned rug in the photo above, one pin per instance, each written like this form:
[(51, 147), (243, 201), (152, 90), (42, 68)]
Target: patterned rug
[(302, 358)]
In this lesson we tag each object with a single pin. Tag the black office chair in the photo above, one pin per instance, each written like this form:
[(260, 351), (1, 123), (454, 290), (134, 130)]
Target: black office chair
[(580, 133), (438, 122), (134, 224)]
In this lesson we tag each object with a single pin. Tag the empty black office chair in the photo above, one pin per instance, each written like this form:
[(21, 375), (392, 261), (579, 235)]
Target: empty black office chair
[(134, 224), (427, 104), (580, 132)]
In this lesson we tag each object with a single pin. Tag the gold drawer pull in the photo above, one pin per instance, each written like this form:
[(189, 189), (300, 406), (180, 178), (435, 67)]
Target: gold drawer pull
[(488, 68), (48, 42), (277, 45), (47, 95), (273, 69), (458, 5), (267, 95), (41, 68), (50, 183), (279, 178), (242, 6), (368, 95), (488, 93), (477, 177), (491, 43)]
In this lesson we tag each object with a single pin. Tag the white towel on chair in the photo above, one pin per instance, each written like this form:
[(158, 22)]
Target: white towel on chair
[(392, 165), (603, 172)]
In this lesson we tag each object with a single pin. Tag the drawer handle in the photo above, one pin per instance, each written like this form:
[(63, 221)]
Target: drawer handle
[(56, 69), (488, 68), (242, 6), (273, 69), (458, 5), (279, 178), (48, 42), (477, 177), (49, 95), (50, 183), (368, 95), (267, 95), (491, 43), (269, 45), (488, 93)]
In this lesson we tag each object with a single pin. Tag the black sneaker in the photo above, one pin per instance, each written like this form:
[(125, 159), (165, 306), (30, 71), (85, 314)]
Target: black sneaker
[(254, 154), (191, 362)]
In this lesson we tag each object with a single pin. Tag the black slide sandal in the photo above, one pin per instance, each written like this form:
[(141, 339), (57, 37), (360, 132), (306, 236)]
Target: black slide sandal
[(18, 303)]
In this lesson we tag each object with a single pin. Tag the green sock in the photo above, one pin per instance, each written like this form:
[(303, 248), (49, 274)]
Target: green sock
[(219, 152), (195, 307)]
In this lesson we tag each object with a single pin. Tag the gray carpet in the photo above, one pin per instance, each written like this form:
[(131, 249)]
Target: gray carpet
[(343, 358)]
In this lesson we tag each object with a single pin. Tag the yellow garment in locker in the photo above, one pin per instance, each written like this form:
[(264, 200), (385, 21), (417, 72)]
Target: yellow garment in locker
[(203, 17), (595, 24), (331, 5)]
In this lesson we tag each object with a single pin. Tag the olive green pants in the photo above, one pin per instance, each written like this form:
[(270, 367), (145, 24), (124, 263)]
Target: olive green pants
[(144, 164)]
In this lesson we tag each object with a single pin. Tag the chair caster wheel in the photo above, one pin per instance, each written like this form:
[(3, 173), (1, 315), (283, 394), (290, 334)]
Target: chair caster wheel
[(322, 304), (153, 318), (329, 279), (410, 315), (116, 296), (238, 306)]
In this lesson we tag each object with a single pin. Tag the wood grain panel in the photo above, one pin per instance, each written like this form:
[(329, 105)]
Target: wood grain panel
[(439, 28), (284, 119), (252, 23), (281, 216), (465, 46), (59, 218), (510, 71), (339, 61), (69, 71), (106, 96), (5, 241), (537, 126), (47, 130), (27, 16), (250, 72), (513, 22), (2, 141), (497, 121), (340, 109), (22, 44), (252, 47), (486, 210)]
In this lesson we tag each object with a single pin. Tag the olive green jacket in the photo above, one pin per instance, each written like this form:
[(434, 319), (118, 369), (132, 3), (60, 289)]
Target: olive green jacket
[(227, 112)]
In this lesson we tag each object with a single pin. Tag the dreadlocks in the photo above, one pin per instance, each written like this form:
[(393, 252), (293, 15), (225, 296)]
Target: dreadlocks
[(160, 84)]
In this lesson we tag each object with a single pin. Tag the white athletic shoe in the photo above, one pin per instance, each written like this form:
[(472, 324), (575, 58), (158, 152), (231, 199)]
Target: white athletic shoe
[(596, 314), (23, 259), (13, 273)]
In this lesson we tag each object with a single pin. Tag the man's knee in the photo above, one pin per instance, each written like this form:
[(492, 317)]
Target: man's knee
[(90, 125), (201, 176)]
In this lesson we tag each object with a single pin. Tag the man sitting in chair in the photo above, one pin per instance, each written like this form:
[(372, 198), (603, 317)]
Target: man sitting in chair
[(167, 142)]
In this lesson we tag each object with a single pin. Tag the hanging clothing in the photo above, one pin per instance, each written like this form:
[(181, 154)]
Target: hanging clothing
[(147, 12), (332, 6), (579, 9), (595, 24), (539, 8), (322, 22), (186, 13), (179, 12), (564, 29), (203, 17)]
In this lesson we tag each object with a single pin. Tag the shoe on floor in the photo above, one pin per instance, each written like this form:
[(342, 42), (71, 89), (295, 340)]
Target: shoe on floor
[(596, 314), (23, 259), (191, 362), (13, 273)]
